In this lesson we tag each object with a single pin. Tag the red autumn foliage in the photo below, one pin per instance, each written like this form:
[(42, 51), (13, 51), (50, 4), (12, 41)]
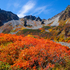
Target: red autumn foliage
[(31, 53), (68, 41)]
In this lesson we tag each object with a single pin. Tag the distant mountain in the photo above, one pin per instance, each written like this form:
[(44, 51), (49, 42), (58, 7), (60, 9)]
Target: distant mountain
[(7, 16), (38, 18), (30, 17), (32, 22)]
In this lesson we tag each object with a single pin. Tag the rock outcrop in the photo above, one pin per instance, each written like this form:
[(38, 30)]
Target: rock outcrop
[(66, 14), (38, 18), (30, 17), (7, 16), (1, 23)]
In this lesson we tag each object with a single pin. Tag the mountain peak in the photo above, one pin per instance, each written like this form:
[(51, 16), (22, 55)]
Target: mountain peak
[(32, 18), (7, 16), (38, 18), (68, 8), (66, 14)]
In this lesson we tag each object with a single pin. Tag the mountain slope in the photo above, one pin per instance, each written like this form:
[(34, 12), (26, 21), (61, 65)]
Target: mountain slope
[(7, 16), (32, 22), (66, 14)]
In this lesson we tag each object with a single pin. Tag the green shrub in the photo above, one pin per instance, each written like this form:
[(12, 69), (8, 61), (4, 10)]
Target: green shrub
[(4, 66)]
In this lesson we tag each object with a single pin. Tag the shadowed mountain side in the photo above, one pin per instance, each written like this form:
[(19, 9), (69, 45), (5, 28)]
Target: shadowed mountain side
[(7, 16)]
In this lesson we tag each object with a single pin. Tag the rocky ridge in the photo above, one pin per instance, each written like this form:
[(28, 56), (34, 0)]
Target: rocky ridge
[(6, 16)]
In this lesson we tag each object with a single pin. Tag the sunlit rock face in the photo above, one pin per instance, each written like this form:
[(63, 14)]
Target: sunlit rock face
[(66, 14)]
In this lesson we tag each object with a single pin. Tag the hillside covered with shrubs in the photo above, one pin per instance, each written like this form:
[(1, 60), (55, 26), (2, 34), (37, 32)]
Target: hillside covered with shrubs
[(32, 53)]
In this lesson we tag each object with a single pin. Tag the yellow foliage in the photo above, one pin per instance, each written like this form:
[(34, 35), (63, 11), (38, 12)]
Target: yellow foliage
[(23, 28), (55, 39), (50, 30), (61, 39), (30, 35), (42, 30), (66, 40)]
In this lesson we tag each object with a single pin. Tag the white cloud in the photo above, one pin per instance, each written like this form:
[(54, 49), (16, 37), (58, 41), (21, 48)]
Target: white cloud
[(47, 11), (39, 10), (26, 8), (43, 9), (16, 5)]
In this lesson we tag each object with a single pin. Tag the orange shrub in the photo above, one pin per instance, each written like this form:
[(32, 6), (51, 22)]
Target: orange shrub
[(31, 53), (68, 41)]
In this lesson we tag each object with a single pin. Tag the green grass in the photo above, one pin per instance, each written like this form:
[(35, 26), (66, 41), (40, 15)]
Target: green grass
[(48, 27), (29, 30), (29, 25)]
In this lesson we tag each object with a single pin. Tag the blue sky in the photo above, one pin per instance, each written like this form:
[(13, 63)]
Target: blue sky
[(42, 8)]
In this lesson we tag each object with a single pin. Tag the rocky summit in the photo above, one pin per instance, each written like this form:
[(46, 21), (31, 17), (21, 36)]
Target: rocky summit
[(66, 14), (30, 17), (7, 16)]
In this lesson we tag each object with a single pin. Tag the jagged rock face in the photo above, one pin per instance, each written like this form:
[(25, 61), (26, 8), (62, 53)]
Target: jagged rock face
[(67, 29), (66, 14), (30, 17), (38, 18), (7, 16), (1, 23)]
